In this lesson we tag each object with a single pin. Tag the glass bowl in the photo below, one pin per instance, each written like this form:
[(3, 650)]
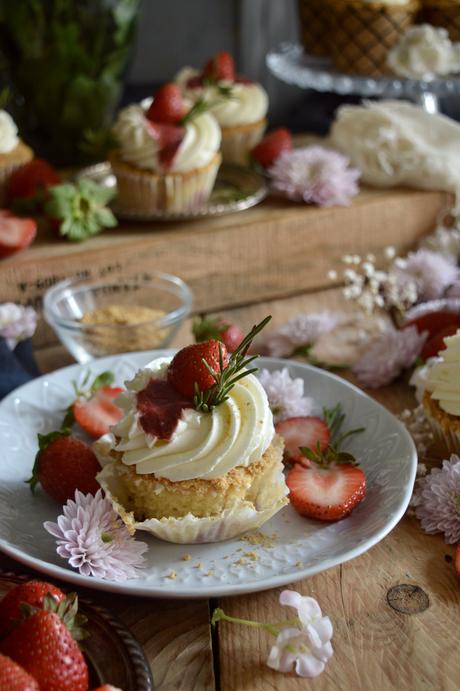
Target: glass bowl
[(95, 318)]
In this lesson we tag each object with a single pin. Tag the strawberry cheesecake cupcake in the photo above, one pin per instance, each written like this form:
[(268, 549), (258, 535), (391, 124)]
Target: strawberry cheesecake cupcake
[(441, 400), (239, 104), (167, 156), (195, 457), (13, 152)]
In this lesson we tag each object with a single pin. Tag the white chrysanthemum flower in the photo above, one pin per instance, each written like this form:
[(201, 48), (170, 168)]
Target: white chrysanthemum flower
[(94, 540), (431, 271), (438, 501), (285, 394), (16, 323)]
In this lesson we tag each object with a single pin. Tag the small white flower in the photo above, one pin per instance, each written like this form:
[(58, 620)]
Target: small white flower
[(285, 394), (389, 252), (16, 323), (307, 649), (332, 275)]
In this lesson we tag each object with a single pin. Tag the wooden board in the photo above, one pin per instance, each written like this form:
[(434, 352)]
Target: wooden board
[(273, 250)]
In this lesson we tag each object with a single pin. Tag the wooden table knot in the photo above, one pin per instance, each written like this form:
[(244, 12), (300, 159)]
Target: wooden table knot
[(408, 599)]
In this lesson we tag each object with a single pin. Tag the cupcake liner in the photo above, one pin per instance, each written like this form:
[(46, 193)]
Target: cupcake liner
[(144, 192), (443, 13), (188, 529), (238, 141), (314, 20), (362, 35), (443, 438)]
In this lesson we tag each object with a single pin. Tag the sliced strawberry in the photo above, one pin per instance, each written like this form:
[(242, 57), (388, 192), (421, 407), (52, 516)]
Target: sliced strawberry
[(31, 178), (220, 66), (434, 322), (457, 560), (272, 145), (15, 233), (302, 431), (168, 105), (97, 414), (436, 343), (326, 494), (187, 367), (169, 138)]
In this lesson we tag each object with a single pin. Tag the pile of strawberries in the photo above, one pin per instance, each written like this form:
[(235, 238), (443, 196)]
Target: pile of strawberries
[(39, 629)]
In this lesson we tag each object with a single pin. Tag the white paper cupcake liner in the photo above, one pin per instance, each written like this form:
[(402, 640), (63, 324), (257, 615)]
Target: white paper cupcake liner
[(237, 142), (189, 529)]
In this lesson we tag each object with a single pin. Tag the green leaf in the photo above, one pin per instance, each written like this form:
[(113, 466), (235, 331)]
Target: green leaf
[(104, 379)]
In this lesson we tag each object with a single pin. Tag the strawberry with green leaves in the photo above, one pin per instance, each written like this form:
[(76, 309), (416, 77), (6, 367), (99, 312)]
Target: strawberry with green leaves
[(45, 646), (271, 147), (31, 593), (220, 329), (15, 678)]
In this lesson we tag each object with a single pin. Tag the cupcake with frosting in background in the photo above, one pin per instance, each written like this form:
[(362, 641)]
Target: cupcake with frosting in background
[(441, 400), (364, 31), (443, 13), (13, 152), (187, 463), (167, 155), (239, 104)]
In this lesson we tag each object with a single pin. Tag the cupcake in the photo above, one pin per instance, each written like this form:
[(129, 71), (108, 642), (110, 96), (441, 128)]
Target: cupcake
[(364, 31), (13, 152), (445, 13), (188, 471), (167, 156), (314, 27), (239, 104), (441, 400)]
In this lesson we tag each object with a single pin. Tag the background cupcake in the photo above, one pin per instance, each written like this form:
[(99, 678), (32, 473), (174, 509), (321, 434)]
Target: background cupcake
[(13, 152), (314, 22), (239, 104), (445, 13), (364, 31), (167, 157)]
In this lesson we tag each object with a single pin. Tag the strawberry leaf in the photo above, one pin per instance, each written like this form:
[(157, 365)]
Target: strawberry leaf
[(104, 379)]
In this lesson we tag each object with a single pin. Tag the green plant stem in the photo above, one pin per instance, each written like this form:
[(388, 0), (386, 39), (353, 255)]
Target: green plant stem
[(274, 629)]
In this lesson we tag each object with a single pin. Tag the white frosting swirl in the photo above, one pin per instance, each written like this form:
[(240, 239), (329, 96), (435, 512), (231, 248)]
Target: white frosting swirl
[(8, 133), (247, 103), (204, 445), (137, 146), (423, 52), (443, 379)]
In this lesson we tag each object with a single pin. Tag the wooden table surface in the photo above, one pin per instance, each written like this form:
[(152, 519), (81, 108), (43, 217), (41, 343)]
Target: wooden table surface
[(375, 647)]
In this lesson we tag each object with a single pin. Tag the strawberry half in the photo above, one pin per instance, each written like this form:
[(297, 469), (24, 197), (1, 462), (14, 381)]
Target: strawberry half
[(169, 138), (326, 494), (220, 66), (272, 145), (187, 367), (97, 414), (168, 105), (30, 593), (302, 431), (457, 560), (15, 233), (15, 678), (436, 344)]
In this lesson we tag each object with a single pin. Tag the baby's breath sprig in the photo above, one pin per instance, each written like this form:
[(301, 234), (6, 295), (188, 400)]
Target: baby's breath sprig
[(237, 368)]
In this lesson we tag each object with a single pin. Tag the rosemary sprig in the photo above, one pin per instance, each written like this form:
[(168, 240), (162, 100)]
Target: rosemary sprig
[(237, 368), (334, 418)]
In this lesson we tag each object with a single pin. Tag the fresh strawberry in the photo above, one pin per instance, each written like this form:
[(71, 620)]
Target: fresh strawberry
[(15, 678), (272, 145), (168, 105), (223, 330), (187, 367), (326, 494), (220, 66), (436, 343), (107, 687), (30, 593), (15, 233), (44, 647), (302, 431), (64, 464), (434, 322), (97, 414), (169, 138), (31, 179), (457, 560)]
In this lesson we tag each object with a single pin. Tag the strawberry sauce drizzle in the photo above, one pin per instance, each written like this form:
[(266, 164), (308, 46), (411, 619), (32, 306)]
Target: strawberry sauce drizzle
[(160, 407)]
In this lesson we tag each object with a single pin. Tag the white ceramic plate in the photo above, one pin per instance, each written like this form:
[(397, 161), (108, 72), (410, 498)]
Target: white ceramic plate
[(299, 548)]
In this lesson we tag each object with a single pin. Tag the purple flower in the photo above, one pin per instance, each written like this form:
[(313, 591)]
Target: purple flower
[(16, 323), (388, 355), (315, 175), (95, 540), (438, 501), (431, 271), (285, 394), (303, 330)]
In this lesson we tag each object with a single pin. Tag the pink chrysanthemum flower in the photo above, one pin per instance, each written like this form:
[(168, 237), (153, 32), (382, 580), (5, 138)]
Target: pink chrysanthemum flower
[(315, 175), (16, 322), (431, 271), (438, 501), (388, 355), (301, 331), (285, 394), (95, 540)]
